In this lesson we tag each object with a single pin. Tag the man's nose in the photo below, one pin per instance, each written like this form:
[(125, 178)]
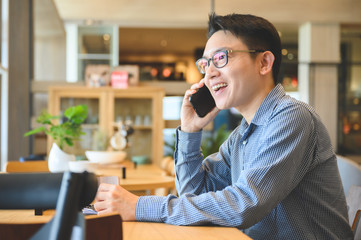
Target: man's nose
[(211, 70)]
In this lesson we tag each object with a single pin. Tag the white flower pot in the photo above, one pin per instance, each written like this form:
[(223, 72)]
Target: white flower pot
[(58, 160)]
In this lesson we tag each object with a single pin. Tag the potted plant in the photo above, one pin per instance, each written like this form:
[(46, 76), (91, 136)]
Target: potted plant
[(66, 130), (210, 144)]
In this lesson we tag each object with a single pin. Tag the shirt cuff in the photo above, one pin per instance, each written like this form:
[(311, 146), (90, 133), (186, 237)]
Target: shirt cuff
[(188, 142), (149, 209)]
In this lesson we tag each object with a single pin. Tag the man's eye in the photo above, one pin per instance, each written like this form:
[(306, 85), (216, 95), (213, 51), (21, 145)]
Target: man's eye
[(203, 64), (218, 56)]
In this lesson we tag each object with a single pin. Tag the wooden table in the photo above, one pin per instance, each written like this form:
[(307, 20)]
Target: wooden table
[(138, 230), (162, 231), (142, 177), (147, 177)]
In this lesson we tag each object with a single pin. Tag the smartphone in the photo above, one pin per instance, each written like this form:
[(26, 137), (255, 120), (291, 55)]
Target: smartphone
[(202, 101)]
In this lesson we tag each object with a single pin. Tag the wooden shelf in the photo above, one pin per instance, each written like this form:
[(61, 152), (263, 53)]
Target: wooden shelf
[(90, 126), (175, 88), (106, 104), (136, 127)]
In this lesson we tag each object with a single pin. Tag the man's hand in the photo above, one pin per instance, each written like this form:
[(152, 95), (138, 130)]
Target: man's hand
[(190, 122), (114, 198)]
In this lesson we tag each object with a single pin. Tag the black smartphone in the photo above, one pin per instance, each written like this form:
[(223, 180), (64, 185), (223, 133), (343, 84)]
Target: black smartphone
[(202, 101)]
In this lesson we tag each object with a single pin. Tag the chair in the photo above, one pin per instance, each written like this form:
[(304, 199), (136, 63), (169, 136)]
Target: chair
[(68, 193), (33, 157), (27, 166), (350, 173), (354, 209)]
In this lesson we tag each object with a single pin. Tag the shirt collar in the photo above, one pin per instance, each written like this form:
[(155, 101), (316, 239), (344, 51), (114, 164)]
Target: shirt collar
[(267, 107)]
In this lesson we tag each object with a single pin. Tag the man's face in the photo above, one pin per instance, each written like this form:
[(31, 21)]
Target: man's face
[(237, 83)]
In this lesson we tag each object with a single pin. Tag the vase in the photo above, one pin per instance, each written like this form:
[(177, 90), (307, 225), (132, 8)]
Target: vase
[(58, 160)]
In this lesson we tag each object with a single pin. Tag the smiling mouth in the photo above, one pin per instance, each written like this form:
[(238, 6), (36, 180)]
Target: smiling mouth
[(219, 86)]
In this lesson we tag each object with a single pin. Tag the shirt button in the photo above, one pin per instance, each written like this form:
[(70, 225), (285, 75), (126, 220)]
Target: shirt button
[(244, 142)]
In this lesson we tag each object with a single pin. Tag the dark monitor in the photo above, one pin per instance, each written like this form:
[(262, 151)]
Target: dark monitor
[(66, 192)]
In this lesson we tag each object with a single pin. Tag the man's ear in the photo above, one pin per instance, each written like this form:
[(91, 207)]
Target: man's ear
[(266, 62)]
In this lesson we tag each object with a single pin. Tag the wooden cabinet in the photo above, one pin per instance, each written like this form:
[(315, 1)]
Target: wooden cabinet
[(108, 106)]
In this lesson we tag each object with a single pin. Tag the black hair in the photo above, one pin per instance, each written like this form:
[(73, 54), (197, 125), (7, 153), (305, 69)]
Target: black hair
[(255, 32)]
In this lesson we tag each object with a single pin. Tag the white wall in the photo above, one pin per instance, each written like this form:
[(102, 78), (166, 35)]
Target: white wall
[(50, 58)]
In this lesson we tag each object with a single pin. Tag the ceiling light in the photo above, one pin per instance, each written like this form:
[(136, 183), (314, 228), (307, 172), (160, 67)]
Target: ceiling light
[(163, 43), (106, 37)]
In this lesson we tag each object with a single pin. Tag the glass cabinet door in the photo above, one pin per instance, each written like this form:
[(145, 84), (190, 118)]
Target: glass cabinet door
[(141, 107), (138, 114), (97, 47)]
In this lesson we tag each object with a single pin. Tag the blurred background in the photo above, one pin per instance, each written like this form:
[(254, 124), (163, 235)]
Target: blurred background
[(63, 42)]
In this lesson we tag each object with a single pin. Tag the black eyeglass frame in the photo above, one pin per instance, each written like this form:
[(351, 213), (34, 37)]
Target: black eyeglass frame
[(226, 52)]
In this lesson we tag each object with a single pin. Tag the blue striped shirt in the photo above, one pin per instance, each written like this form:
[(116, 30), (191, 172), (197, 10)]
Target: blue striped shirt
[(275, 178)]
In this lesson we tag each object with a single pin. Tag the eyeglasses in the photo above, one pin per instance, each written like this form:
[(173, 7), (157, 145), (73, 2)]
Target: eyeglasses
[(219, 59)]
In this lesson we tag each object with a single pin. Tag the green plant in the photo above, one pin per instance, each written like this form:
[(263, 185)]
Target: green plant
[(68, 131), (210, 144), (170, 147)]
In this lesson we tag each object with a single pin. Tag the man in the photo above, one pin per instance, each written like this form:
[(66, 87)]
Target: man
[(275, 177)]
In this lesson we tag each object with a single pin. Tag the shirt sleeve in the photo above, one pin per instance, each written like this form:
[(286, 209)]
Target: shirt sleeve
[(193, 173)]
